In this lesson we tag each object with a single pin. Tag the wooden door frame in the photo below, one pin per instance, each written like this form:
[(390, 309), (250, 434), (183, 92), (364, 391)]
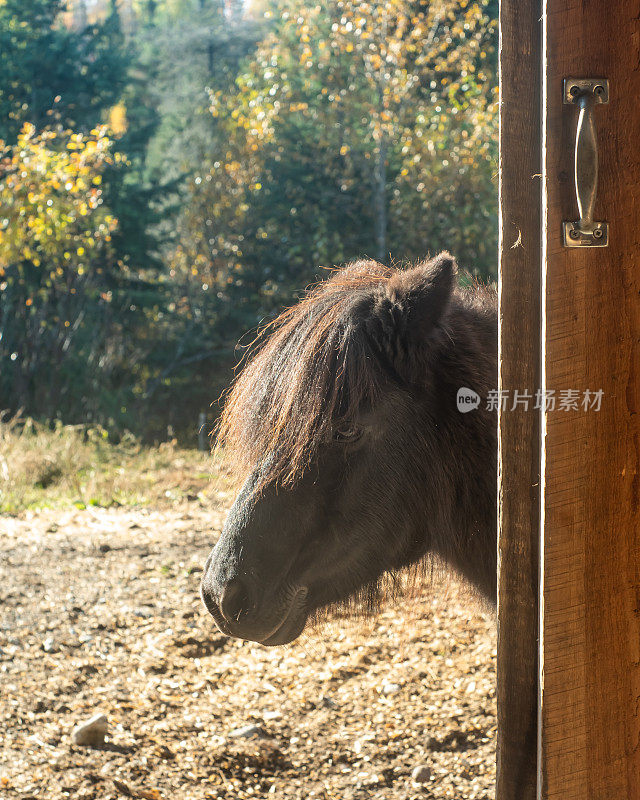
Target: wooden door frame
[(520, 303), (569, 483)]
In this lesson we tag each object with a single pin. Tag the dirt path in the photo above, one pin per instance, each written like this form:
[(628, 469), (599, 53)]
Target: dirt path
[(100, 613)]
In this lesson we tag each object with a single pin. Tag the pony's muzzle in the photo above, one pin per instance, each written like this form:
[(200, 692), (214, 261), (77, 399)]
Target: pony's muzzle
[(234, 608)]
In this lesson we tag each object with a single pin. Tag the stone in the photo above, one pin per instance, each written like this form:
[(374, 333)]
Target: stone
[(421, 774), (92, 732), (328, 702), (391, 688), (248, 732)]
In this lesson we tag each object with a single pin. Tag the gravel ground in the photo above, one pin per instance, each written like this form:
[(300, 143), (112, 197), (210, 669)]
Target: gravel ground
[(100, 614)]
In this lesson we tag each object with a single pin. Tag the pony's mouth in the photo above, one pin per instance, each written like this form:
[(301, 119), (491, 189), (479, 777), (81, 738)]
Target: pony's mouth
[(272, 629), (292, 625)]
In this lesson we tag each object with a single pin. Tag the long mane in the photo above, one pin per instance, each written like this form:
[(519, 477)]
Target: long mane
[(309, 370)]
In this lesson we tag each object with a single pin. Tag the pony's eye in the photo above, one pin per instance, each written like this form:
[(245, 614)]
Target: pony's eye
[(351, 434)]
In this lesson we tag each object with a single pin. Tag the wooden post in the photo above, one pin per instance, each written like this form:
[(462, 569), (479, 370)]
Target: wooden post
[(590, 695), (202, 431), (519, 430)]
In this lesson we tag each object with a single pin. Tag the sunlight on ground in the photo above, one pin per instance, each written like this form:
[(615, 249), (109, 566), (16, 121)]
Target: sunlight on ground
[(101, 614)]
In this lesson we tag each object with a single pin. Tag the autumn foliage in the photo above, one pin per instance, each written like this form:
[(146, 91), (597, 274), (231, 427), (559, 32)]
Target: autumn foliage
[(56, 264), (356, 129), (172, 179)]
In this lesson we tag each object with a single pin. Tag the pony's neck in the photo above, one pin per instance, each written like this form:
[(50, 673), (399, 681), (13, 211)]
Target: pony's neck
[(470, 361)]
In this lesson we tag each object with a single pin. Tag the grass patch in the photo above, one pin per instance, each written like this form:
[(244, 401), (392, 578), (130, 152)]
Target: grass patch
[(70, 465)]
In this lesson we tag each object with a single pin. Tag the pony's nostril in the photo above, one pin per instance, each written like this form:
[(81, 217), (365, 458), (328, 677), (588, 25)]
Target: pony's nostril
[(234, 600)]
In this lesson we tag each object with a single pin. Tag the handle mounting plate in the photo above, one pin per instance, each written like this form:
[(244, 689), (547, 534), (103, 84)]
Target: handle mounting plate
[(574, 87), (594, 235)]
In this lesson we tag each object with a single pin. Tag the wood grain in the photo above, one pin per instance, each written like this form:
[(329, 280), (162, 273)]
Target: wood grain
[(590, 747), (519, 430)]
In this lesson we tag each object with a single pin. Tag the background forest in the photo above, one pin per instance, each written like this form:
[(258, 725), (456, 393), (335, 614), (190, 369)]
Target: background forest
[(173, 172)]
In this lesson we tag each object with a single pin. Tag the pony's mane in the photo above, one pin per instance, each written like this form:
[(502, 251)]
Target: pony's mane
[(307, 372)]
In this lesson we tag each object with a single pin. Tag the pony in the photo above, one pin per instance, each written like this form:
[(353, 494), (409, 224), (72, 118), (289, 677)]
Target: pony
[(356, 458)]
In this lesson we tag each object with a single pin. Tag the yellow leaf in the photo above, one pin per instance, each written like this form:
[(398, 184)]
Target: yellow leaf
[(118, 119)]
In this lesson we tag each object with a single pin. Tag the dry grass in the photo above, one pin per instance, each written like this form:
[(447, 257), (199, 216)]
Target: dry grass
[(75, 465)]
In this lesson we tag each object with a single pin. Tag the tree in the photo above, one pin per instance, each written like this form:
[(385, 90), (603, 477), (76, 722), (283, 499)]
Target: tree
[(78, 77), (366, 129), (288, 136), (56, 281), (212, 44), (45, 65)]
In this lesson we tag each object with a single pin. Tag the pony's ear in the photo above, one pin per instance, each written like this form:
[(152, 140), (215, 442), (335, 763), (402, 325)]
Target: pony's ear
[(422, 294), (409, 306)]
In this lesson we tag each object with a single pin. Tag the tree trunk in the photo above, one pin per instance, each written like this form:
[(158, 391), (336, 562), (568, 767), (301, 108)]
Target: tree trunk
[(210, 44), (80, 20), (380, 200)]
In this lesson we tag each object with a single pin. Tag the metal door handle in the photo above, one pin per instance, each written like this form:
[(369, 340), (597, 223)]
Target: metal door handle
[(586, 93)]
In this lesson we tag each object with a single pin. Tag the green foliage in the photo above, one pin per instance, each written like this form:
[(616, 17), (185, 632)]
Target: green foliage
[(357, 129), (79, 78), (212, 47), (58, 287), (44, 64), (173, 177)]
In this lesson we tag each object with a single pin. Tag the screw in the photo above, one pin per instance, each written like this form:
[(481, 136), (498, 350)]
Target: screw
[(599, 90), (573, 233), (597, 234), (574, 91)]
